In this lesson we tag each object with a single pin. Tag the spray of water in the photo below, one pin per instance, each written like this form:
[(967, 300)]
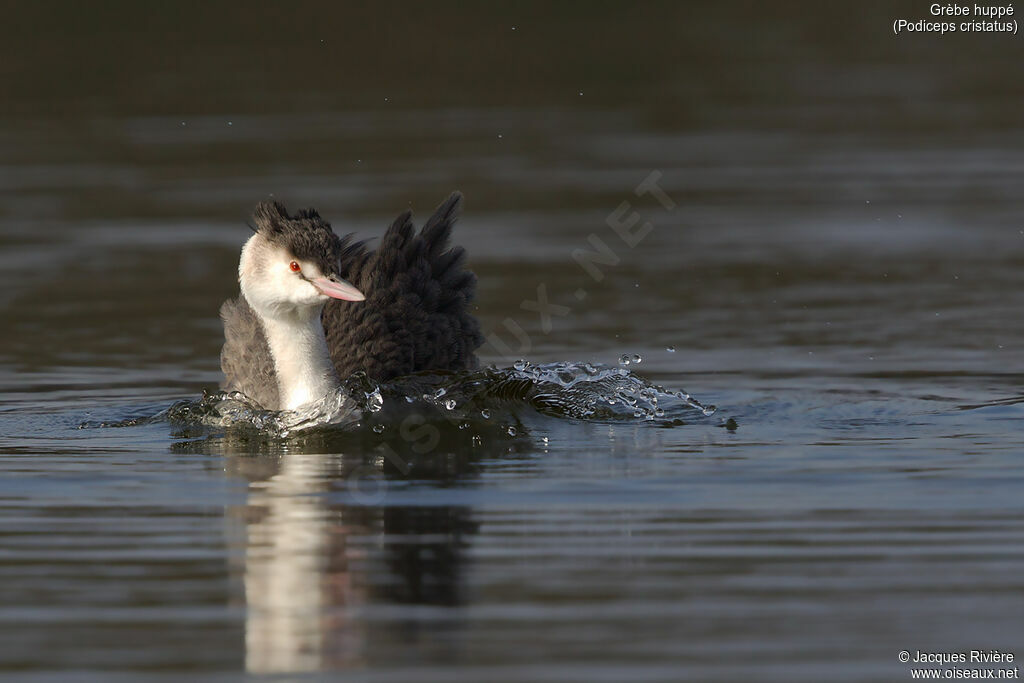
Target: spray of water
[(492, 396)]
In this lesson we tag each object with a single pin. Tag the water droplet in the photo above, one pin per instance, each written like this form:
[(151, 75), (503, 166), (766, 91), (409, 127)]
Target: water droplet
[(670, 349), (638, 413), (450, 404), (624, 359), (709, 410), (409, 399), (659, 413), (374, 401), (637, 358), (511, 431), (521, 365), (544, 439), (378, 429), (485, 414), (464, 425), (476, 440), (439, 393)]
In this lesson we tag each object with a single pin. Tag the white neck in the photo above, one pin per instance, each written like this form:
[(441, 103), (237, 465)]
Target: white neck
[(305, 372)]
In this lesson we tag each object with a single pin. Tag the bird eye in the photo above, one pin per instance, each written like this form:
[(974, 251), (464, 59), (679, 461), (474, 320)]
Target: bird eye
[(294, 265)]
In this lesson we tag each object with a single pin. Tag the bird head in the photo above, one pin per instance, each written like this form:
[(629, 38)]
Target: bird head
[(289, 267)]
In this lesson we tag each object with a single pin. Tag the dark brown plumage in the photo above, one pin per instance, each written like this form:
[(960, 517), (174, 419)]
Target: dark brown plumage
[(416, 313)]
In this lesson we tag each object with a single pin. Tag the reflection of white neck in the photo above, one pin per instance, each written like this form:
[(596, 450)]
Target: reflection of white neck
[(284, 571), (305, 372)]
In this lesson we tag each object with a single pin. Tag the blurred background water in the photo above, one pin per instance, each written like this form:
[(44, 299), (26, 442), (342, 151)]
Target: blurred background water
[(836, 262)]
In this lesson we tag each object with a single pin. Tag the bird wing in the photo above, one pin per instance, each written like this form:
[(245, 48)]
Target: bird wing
[(416, 314), (245, 358)]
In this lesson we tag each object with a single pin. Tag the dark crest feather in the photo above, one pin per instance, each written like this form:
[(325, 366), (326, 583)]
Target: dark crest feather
[(307, 236)]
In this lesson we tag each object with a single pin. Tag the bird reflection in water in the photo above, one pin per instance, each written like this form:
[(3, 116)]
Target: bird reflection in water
[(295, 566), (312, 559)]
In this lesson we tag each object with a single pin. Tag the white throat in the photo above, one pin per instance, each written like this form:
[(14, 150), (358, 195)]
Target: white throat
[(289, 307), (305, 372)]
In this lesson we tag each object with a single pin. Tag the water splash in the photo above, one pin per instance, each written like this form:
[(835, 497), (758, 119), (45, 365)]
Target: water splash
[(491, 399), (572, 390), (358, 398)]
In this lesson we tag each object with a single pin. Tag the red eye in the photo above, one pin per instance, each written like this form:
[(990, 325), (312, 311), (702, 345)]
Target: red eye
[(294, 265)]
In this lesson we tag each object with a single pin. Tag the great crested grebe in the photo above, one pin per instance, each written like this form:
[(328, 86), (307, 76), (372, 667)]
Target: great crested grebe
[(315, 307)]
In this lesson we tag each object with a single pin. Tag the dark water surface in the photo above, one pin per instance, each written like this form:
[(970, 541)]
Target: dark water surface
[(836, 259)]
